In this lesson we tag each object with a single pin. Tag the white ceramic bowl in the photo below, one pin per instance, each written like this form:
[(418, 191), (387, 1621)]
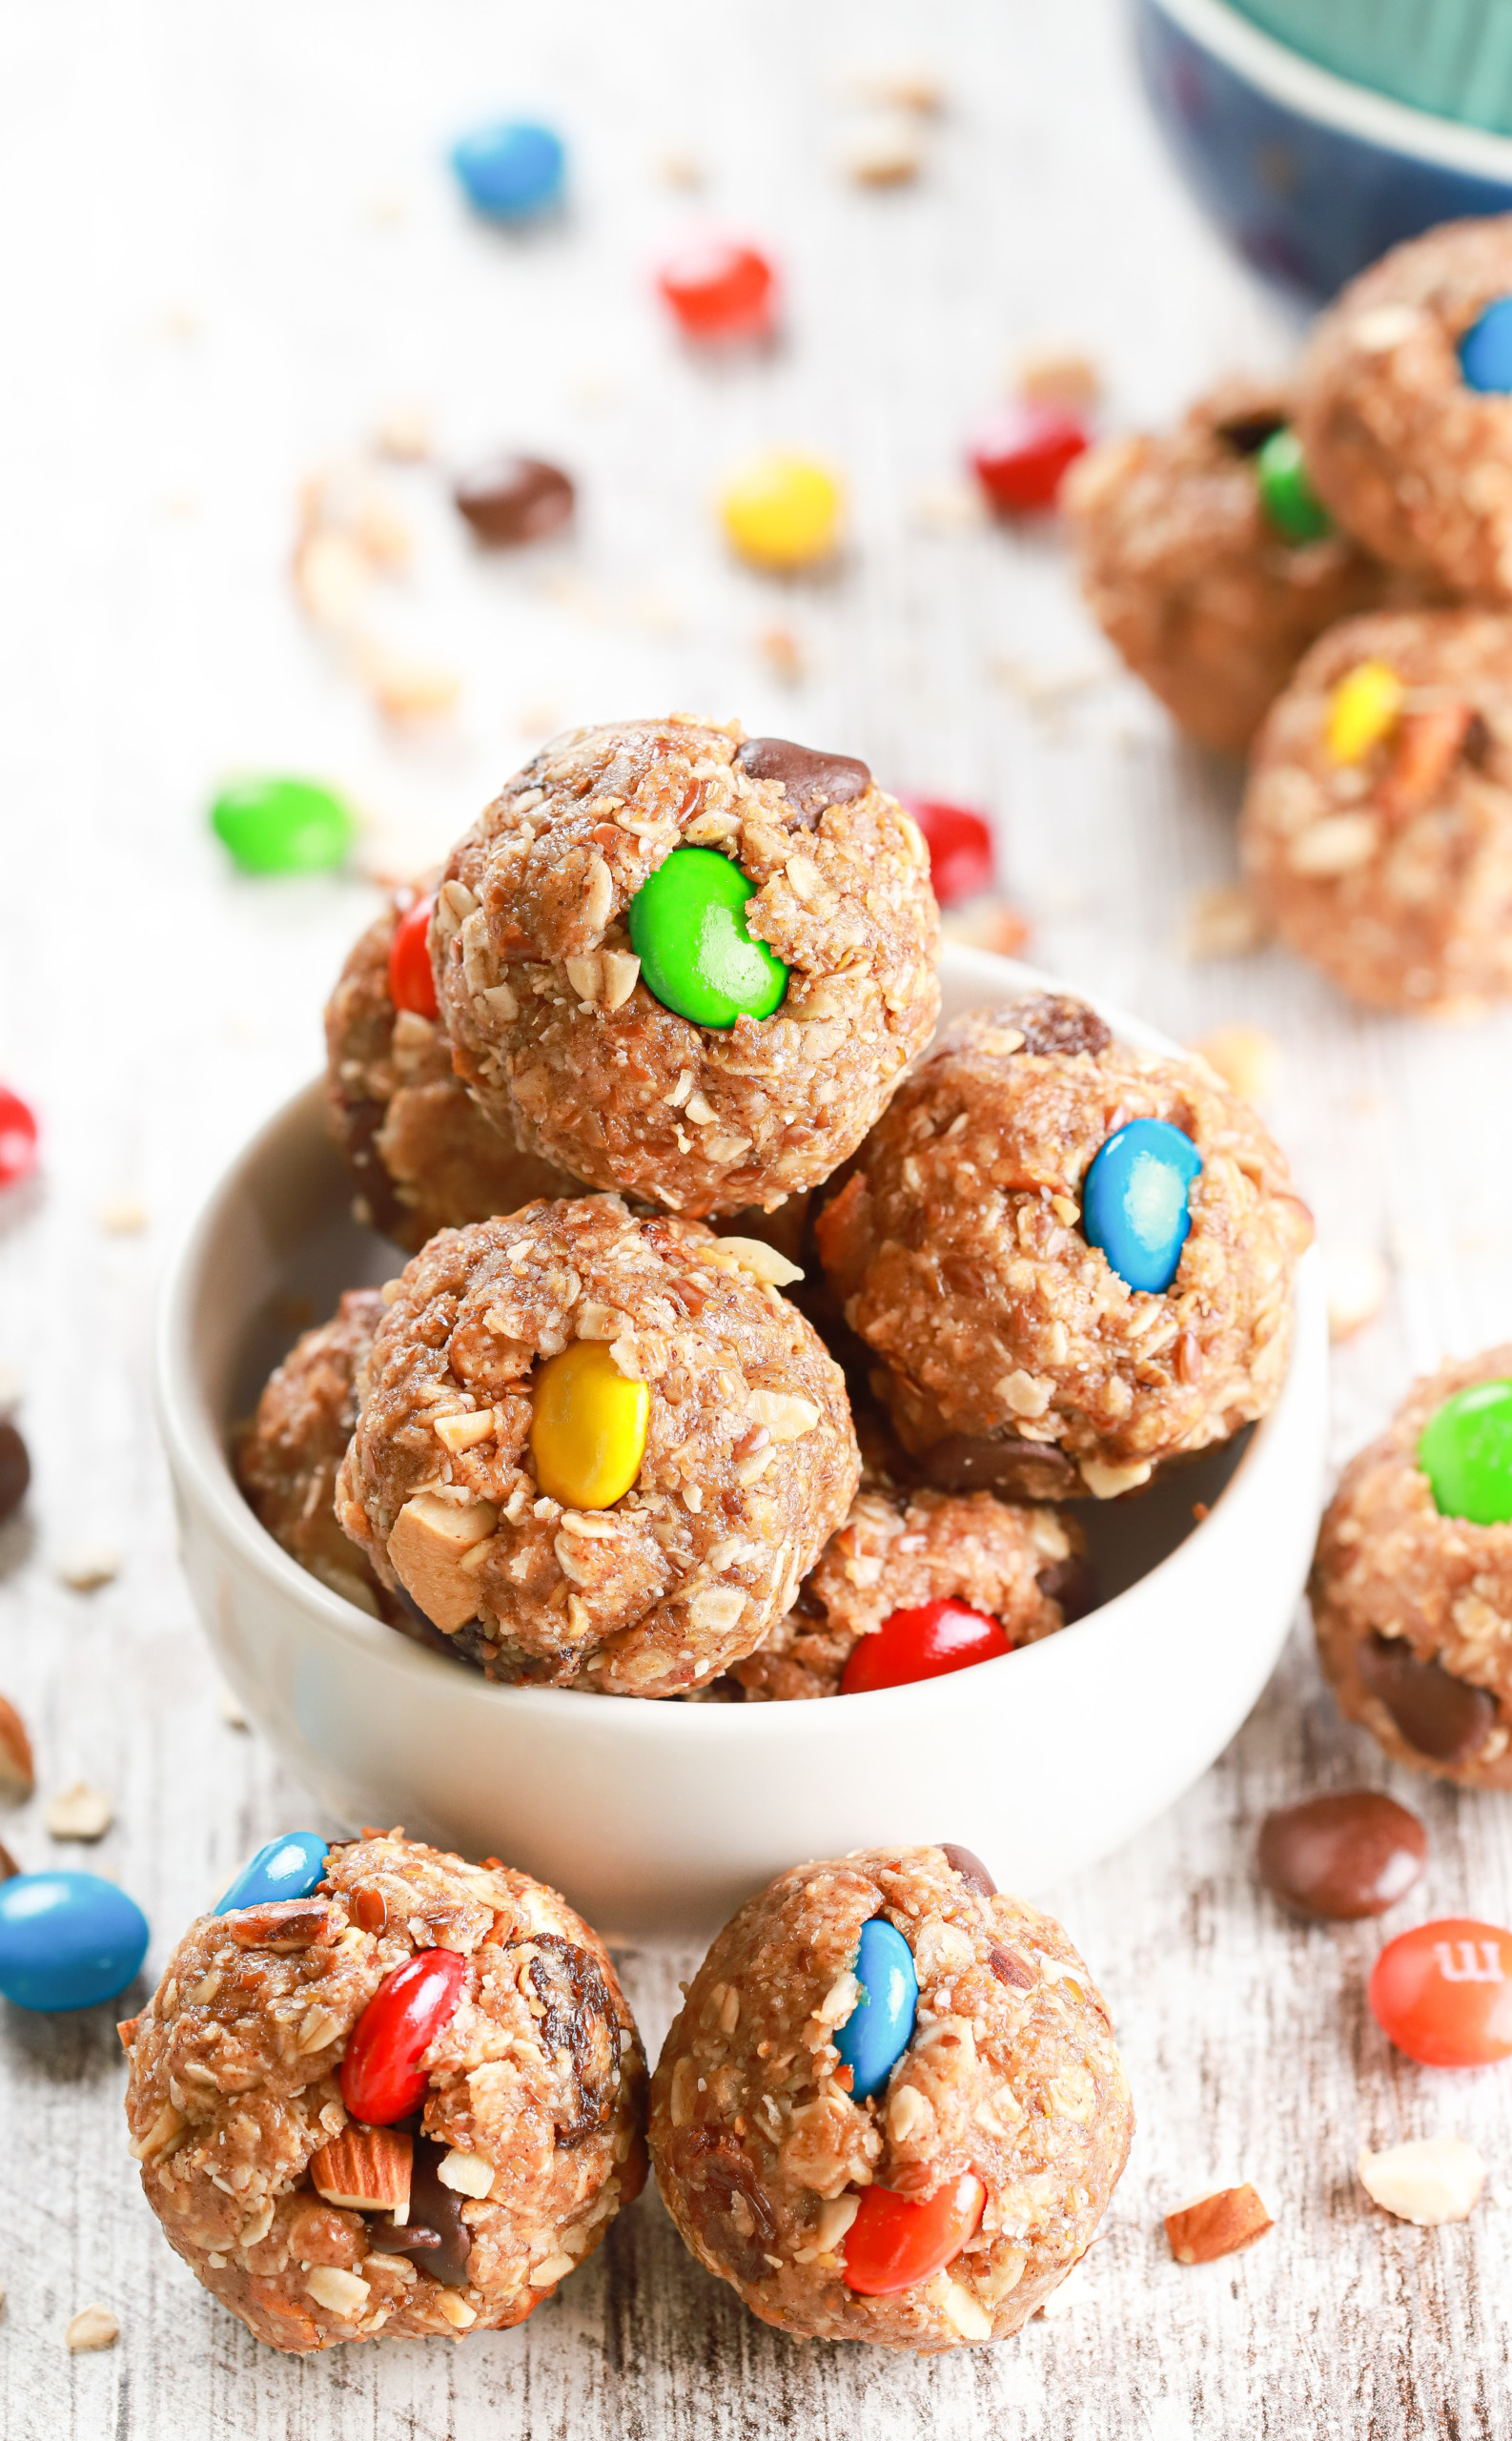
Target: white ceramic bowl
[(658, 1818)]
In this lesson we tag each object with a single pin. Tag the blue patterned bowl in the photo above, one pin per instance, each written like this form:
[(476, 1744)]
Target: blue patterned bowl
[(1309, 177)]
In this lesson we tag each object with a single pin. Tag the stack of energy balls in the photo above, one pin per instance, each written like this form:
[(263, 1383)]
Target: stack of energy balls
[(1320, 573), (654, 1049)]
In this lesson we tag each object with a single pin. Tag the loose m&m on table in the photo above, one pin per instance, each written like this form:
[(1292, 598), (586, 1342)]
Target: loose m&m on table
[(66, 1940), (1465, 1452), (18, 1138), (960, 846), (283, 826), (1443, 1992), (719, 289), (687, 928), (1135, 1200), (783, 511), (1021, 456), (511, 170)]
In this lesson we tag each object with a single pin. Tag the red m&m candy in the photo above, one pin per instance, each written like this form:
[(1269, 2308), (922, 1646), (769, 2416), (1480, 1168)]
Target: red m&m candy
[(18, 1138), (719, 289), (412, 983), (381, 2079), (1443, 1992), (926, 1643), (893, 2243), (960, 846), (1021, 454)]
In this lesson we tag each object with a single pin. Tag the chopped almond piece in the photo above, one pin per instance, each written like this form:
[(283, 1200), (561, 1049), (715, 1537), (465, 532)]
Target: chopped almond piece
[(17, 1771), (1428, 745), (426, 1547), (1217, 2225), (283, 1924), (366, 2169)]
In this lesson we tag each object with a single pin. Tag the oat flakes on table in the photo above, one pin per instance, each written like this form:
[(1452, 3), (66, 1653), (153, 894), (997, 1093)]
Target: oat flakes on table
[(1413, 1611), (749, 1457), (1186, 575), (1410, 459), (551, 1020), (528, 2141), (764, 2157), (1383, 853), (422, 1153), (1013, 1357)]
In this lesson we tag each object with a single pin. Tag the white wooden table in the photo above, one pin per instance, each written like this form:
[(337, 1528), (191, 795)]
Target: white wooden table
[(229, 248)]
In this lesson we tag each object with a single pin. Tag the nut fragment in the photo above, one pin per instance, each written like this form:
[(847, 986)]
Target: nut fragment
[(762, 1261), (887, 154), (283, 1924), (92, 2326), (1059, 377), (1217, 2225), (425, 1550), (17, 1771), (339, 2292), (1246, 1057), (463, 1429), (466, 2173), (1223, 923), (785, 1415), (366, 2169), (89, 1565), (1437, 2179), (79, 1813)]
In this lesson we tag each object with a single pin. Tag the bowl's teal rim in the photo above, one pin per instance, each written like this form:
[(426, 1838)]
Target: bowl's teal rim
[(1315, 92)]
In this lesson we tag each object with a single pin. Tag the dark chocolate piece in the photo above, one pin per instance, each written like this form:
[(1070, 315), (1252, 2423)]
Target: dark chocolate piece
[(1342, 1857), (811, 781), (514, 500), (1439, 1715), (969, 1868), (434, 2234)]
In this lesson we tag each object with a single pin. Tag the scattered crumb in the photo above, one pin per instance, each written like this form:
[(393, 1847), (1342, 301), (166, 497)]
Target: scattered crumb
[(17, 1771), (1222, 2222), (1437, 2179), (1059, 377), (121, 1215), (406, 689), (990, 925), (79, 1813), (1223, 923), (679, 166), (949, 508), (1356, 1282), (403, 432), (230, 1711), (902, 87), (332, 576), (1246, 1057), (94, 2326), (784, 655), (887, 154), (1043, 689), (89, 1565), (1074, 2290)]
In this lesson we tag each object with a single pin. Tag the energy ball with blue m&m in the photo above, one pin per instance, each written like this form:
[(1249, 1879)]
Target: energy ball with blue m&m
[(686, 963), (1412, 1579), (1071, 1259), (891, 2107), (406, 2102), (597, 1450)]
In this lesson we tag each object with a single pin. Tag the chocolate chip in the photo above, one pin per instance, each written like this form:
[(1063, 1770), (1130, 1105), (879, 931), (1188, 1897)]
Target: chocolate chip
[(812, 781), (1073, 1584), (1000, 1462), (434, 2234), (514, 500), (1052, 1023), (1438, 1715), (1347, 1856), (15, 1470), (968, 1869), (1010, 1969), (712, 2172), (1247, 435)]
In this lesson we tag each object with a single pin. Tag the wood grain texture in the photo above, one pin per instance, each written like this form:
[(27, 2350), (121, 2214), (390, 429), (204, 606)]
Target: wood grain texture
[(229, 247)]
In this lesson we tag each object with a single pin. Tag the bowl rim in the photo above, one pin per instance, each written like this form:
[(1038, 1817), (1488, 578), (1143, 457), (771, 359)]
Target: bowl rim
[(1300, 86), (198, 1459)]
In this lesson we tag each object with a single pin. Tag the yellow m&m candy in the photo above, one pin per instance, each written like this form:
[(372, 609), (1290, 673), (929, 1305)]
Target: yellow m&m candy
[(1361, 710), (588, 1435), (783, 511)]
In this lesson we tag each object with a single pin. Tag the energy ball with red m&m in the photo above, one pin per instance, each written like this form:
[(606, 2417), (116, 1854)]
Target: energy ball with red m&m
[(1412, 1579), (1377, 829), (1072, 1260), (424, 1155), (687, 963), (891, 2107), (605, 1449), (407, 2103)]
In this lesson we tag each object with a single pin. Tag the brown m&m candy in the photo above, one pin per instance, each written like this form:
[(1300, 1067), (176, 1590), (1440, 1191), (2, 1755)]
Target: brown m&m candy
[(509, 500), (1347, 1856)]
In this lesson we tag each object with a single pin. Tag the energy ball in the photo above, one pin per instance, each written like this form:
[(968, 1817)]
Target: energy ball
[(891, 2107), (1411, 1586), (687, 963), (1376, 828), (607, 1441), (901, 1552), (1073, 1258), (406, 2102), (1404, 408), (1207, 571), (422, 1153)]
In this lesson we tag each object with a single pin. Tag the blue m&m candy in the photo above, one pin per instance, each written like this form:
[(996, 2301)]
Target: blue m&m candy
[(1486, 351), (288, 1867), (66, 1940), (1133, 1201), (879, 2027), (512, 170)]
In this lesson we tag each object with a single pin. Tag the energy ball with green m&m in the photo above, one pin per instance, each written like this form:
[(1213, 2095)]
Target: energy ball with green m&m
[(995, 1244), (598, 1450), (1376, 828), (1208, 562), (1412, 1580), (406, 2105), (1404, 407), (686, 963), (891, 2107)]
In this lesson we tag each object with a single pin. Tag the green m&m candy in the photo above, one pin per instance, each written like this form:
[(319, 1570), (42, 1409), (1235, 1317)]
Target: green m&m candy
[(278, 826), (1286, 490), (1465, 1452), (687, 928)]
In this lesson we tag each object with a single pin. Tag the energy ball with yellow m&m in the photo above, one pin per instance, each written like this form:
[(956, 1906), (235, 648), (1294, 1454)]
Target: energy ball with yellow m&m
[(1071, 1260), (1376, 828), (891, 2107), (404, 2100), (598, 1450), (1412, 1580), (687, 963)]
